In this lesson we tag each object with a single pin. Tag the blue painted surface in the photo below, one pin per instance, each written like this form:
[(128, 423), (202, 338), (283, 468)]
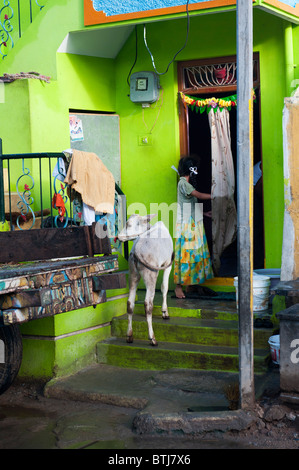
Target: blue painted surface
[(118, 7), (290, 3)]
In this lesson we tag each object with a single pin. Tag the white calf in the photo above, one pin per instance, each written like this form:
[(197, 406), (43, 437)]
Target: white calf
[(152, 252)]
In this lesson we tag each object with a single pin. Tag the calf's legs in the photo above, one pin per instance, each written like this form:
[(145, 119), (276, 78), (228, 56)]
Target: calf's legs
[(150, 279), (134, 279), (164, 290)]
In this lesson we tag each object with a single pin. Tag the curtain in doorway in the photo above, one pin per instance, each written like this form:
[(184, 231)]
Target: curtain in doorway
[(224, 214)]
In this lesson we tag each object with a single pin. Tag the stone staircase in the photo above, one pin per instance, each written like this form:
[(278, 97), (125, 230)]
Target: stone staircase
[(203, 338)]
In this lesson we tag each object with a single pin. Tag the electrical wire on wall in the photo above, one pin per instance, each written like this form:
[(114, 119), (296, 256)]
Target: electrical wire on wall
[(146, 45), (136, 54), (159, 104), (158, 113), (186, 41)]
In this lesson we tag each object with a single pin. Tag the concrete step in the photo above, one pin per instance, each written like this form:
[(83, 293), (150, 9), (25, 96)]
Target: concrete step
[(157, 392), (189, 330), (208, 310), (141, 355)]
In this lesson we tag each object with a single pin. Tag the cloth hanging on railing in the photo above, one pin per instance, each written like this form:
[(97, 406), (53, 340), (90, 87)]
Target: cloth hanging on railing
[(224, 214), (88, 175), (58, 203), (59, 171)]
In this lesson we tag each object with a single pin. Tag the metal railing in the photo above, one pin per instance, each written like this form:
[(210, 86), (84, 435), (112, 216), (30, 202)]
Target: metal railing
[(15, 17), (33, 195)]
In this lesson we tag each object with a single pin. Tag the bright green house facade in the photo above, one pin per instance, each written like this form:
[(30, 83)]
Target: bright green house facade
[(89, 67)]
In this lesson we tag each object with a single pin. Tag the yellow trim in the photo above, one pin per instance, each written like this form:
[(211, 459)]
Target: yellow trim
[(220, 281), (282, 6)]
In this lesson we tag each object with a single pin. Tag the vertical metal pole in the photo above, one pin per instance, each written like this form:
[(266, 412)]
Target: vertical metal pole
[(19, 16), (245, 199), (30, 10), (289, 57)]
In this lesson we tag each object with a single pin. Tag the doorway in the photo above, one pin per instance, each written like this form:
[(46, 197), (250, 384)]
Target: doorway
[(98, 133), (198, 80)]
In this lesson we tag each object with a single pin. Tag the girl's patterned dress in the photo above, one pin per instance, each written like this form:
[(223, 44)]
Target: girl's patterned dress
[(192, 264)]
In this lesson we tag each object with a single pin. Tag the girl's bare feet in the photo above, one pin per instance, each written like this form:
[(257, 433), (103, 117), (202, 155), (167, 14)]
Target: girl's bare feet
[(179, 293)]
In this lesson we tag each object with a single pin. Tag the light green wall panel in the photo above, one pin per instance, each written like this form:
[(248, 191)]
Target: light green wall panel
[(15, 118), (48, 358), (38, 358), (36, 50), (78, 351), (86, 83), (64, 343)]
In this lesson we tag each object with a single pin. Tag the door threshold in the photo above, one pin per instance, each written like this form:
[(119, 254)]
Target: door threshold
[(223, 282)]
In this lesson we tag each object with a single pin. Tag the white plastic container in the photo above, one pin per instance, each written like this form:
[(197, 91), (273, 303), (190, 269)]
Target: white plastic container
[(260, 285), (274, 275), (274, 343)]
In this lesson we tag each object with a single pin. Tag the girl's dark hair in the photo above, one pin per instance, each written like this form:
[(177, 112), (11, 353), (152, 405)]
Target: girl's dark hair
[(185, 163)]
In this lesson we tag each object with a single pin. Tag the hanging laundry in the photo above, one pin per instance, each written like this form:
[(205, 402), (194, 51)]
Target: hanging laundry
[(59, 171), (58, 203), (88, 214), (88, 175)]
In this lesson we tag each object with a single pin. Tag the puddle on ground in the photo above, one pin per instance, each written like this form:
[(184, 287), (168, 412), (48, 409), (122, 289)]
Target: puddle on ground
[(15, 411), (199, 409)]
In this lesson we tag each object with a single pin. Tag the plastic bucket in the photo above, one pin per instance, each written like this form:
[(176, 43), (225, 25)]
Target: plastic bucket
[(260, 285), (273, 274), (274, 343)]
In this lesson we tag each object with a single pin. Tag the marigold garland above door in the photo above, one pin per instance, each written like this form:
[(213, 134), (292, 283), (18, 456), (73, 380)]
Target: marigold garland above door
[(209, 103)]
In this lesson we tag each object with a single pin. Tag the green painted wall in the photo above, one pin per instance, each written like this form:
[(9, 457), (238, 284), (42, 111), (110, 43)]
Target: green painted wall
[(49, 104), (15, 117), (296, 54), (146, 171), (269, 41), (36, 51), (20, 15), (83, 83), (34, 116), (88, 83), (65, 343)]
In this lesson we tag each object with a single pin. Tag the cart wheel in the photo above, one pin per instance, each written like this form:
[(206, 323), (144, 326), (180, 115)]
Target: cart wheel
[(10, 355)]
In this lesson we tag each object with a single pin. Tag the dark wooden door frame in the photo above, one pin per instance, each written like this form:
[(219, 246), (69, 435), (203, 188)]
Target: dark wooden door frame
[(183, 111), (230, 89)]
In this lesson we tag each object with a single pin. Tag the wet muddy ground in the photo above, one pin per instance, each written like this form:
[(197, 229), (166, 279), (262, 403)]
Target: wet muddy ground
[(29, 420)]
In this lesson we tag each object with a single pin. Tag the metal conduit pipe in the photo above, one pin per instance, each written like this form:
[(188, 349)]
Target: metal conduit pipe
[(289, 58)]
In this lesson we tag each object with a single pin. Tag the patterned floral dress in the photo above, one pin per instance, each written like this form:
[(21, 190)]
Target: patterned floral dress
[(192, 264)]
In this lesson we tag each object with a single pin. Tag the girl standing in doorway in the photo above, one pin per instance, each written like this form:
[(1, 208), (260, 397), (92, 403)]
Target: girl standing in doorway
[(192, 264)]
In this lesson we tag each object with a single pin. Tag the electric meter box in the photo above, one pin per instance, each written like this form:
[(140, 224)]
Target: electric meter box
[(144, 87)]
